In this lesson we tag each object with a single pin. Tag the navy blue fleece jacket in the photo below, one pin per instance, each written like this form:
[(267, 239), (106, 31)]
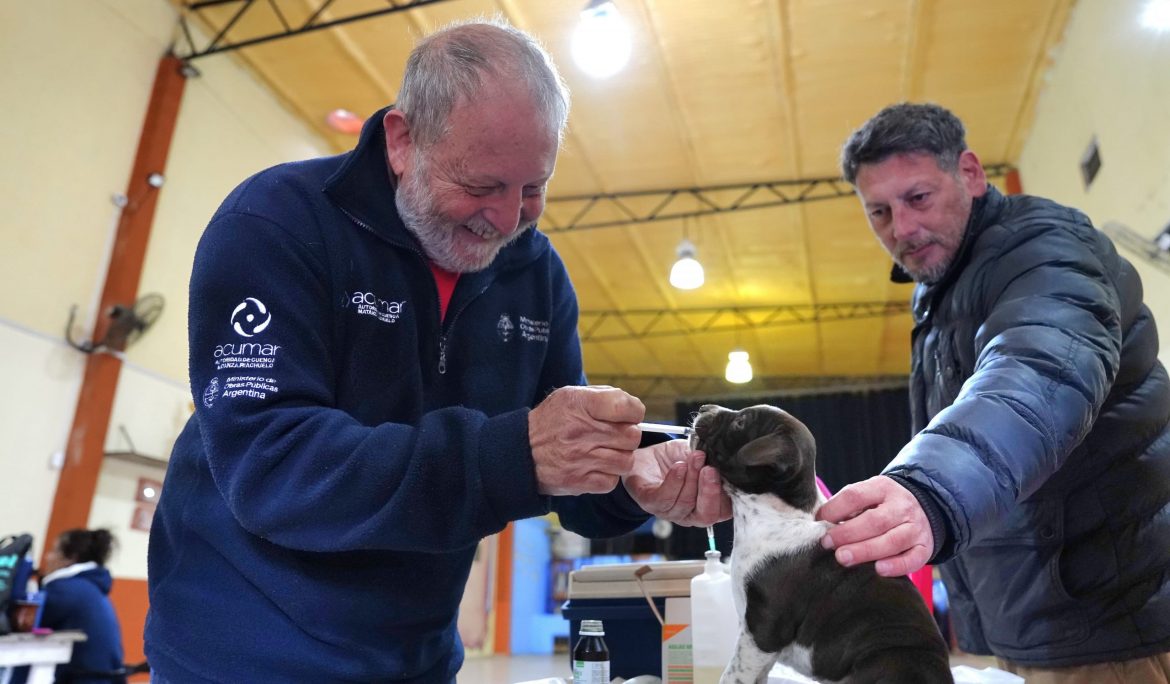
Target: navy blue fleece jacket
[(349, 450)]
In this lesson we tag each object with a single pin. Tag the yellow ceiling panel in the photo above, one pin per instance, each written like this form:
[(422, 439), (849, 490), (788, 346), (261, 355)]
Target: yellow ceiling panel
[(974, 87), (722, 72), (853, 347), (849, 60), (786, 350)]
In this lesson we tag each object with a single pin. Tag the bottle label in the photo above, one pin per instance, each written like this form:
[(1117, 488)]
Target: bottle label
[(590, 672)]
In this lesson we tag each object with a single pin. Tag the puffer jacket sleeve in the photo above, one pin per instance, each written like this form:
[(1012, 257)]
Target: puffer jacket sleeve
[(293, 468), (1046, 354)]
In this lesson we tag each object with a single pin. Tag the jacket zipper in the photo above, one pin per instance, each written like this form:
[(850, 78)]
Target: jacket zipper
[(447, 327), (444, 329)]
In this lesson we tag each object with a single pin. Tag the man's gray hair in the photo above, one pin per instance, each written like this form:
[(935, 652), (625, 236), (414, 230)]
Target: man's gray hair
[(450, 65), (905, 128)]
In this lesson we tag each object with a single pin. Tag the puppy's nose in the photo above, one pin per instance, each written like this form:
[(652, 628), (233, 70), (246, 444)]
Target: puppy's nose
[(707, 408)]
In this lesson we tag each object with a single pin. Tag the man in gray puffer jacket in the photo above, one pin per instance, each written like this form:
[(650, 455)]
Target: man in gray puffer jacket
[(1039, 471)]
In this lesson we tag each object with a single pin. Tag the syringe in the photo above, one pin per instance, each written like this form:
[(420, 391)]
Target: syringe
[(666, 429), (678, 430)]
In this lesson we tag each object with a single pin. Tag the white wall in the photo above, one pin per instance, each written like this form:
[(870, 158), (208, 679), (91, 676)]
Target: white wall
[(113, 507), (41, 378), (76, 84), (152, 409), (1111, 79)]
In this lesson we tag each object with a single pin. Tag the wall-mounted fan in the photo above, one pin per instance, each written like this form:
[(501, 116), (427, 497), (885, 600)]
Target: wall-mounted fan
[(127, 324), (1154, 251)]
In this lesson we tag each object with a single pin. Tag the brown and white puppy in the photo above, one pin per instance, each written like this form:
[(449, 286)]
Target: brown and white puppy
[(797, 605)]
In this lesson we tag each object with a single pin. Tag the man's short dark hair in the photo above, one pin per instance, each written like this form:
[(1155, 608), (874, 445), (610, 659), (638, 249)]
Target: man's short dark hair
[(903, 128)]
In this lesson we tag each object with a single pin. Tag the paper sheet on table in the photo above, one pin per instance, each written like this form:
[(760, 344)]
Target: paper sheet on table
[(964, 674), (782, 674)]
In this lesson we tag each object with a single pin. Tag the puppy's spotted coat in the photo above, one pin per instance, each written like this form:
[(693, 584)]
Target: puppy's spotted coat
[(797, 605)]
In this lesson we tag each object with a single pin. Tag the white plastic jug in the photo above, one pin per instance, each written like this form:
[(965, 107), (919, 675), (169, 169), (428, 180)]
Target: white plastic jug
[(714, 622)]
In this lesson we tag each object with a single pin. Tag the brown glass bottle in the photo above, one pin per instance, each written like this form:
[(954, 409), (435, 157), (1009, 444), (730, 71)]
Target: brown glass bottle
[(591, 655)]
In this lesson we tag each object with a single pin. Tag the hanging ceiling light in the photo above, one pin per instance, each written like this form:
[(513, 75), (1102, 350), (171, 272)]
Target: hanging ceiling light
[(1156, 16), (601, 41), (687, 272), (739, 369)]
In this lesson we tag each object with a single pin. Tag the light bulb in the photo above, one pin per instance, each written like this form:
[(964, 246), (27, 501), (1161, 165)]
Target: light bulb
[(687, 272), (601, 41), (739, 369), (1156, 16)]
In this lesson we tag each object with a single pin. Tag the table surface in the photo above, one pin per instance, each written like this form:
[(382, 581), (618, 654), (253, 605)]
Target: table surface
[(42, 652), (24, 638)]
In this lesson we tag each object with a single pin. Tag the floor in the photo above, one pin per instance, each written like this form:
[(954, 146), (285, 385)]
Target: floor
[(502, 669), (539, 668)]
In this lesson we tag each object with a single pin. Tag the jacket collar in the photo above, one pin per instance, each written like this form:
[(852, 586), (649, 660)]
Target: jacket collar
[(363, 188), (68, 572)]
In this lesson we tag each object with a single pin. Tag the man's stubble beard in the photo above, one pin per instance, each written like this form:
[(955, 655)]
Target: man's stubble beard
[(929, 276)]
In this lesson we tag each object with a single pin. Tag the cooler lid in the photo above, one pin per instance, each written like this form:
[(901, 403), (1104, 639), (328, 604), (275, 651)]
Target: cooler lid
[(669, 578)]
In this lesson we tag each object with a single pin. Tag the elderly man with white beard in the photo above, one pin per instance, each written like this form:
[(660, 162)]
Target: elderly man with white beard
[(385, 366)]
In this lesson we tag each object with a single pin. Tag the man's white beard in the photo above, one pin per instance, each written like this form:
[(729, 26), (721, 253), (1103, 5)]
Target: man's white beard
[(437, 234)]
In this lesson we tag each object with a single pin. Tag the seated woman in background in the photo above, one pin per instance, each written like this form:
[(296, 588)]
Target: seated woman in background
[(77, 586)]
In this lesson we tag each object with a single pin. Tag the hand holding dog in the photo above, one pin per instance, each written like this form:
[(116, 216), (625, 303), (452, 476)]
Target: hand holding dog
[(673, 483), (880, 520), (583, 439)]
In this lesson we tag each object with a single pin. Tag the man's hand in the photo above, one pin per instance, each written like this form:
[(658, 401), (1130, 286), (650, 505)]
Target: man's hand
[(671, 482), (583, 439), (880, 520)]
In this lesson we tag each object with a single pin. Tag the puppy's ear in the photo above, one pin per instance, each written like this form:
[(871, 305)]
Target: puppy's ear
[(764, 451)]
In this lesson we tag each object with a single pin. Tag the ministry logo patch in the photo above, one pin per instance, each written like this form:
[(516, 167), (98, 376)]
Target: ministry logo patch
[(211, 392), (504, 327)]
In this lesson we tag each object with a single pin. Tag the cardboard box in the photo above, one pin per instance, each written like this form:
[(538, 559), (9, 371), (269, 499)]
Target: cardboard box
[(677, 666)]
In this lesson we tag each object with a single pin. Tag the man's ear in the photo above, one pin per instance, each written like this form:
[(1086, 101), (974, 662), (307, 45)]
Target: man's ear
[(972, 173), (399, 145)]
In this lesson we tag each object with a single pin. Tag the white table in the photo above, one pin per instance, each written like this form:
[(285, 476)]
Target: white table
[(42, 652)]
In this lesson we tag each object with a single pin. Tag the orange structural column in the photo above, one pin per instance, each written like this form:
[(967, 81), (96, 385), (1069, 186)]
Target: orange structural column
[(87, 437), (130, 600), (1011, 182), (503, 603)]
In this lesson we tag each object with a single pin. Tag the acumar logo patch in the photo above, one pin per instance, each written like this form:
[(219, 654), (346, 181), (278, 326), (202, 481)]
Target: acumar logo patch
[(250, 317), (370, 304)]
